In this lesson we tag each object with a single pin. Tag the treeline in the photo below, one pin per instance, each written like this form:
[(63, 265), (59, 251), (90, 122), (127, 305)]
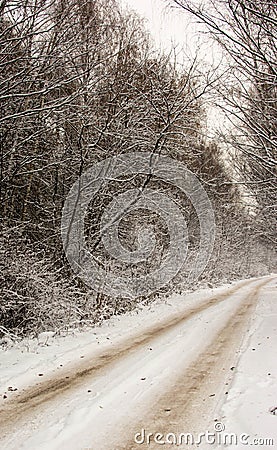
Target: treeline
[(80, 82)]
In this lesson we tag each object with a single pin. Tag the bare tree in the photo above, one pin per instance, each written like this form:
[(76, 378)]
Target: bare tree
[(80, 82), (246, 31)]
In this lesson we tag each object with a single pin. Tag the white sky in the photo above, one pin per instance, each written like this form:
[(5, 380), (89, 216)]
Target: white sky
[(170, 25)]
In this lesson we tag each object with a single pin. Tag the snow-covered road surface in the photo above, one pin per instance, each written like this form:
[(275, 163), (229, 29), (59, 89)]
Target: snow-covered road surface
[(176, 367)]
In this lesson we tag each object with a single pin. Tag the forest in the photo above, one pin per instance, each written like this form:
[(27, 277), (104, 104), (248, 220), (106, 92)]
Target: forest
[(81, 81)]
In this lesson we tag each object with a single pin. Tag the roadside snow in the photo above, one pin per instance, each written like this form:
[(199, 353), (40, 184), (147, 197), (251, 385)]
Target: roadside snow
[(253, 392), (21, 365)]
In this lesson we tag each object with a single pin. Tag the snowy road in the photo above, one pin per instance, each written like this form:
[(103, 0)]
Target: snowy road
[(169, 369)]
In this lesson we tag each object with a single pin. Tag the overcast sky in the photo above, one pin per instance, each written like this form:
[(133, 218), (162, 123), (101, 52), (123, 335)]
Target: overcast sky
[(171, 25)]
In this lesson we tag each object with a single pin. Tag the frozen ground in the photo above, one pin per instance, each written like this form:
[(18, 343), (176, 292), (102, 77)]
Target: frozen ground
[(249, 407), (199, 360)]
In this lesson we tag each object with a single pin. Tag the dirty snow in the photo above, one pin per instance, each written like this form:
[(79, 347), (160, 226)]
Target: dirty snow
[(95, 416), (253, 395)]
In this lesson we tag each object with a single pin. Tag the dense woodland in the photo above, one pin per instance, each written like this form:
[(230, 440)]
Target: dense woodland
[(80, 82)]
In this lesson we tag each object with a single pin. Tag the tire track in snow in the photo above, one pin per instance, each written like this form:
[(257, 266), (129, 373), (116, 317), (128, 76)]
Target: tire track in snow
[(38, 396), (189, 405)]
